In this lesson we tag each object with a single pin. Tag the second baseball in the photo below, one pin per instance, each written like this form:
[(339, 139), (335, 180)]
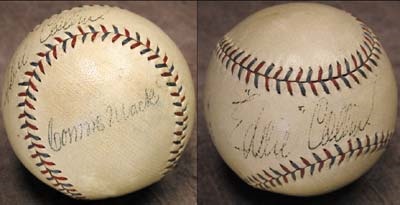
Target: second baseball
[(300, 99)]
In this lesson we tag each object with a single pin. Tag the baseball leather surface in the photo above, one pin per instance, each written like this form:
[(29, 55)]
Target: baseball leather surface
[(98, 102), (300, 99)]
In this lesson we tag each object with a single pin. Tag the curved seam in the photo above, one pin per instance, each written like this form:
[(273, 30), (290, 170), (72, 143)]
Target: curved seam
[(232, 58), (272, 177)]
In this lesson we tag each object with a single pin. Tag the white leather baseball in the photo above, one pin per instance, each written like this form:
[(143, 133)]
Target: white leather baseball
[(98, 102), (300, 99)]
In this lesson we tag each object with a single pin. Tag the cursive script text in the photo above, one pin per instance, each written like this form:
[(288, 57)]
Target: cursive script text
[(111, 116), (52, 26), (328, 125), (259, 138)]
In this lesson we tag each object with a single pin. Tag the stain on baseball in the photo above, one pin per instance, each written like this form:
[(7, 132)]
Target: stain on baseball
[(102, 100), (300, 99)]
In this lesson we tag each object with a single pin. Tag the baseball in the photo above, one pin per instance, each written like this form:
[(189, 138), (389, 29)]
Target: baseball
[(300, 99), (98, 102)]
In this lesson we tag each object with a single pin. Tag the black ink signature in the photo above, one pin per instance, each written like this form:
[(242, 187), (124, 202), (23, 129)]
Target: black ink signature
[(112, 115), (332, 126), (123, 113), (62, 24), (260, 138)]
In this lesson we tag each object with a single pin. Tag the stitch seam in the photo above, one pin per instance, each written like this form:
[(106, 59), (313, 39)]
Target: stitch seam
[(273, 177), (363, 59)]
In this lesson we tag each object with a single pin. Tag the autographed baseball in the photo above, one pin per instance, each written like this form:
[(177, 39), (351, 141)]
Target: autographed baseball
[(98, 102), (300, 99)]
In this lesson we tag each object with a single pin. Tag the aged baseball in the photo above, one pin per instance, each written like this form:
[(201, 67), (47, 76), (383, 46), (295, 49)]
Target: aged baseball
[(300, 99), (98, 102)]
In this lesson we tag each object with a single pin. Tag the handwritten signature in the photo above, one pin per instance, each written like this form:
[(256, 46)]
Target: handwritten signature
[(112, 115), (64, 23), (328, 125), (262, 140), (259, 138)]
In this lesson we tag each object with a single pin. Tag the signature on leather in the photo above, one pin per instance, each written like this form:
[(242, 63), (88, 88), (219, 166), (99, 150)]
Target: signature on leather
[(261, 136), (328, 125), (63, 23), (60, 136), (14, 69)]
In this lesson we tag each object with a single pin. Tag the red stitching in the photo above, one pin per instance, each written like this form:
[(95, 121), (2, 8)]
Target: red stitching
[(153, 57), (314, 90), (354, 60), (299, 74), (32, 85), (29, 73), (320, 73), (80, 30), (40, 64), (115, 37), (103, 28), (94, 36), (278, 72), (354, 78), (73, 42), (58, 39), (133, 46), (30, 106), (267, 84), (339, 68), (36, 145), (336, 84), (289, 87), (148, 43), (127, 34)]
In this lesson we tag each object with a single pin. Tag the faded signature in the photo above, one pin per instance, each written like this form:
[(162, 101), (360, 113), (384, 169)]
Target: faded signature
[(63, 23), (259, 138), (12, 77), (111, 116), (262, 137), (329, 125)]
